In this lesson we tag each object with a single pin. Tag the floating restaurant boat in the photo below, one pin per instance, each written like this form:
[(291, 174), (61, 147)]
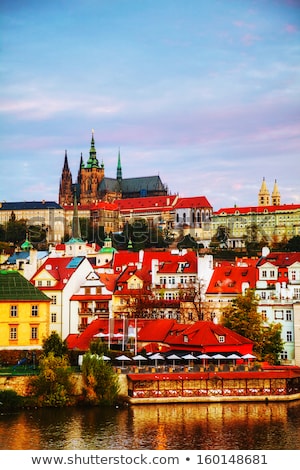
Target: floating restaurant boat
[(275, 384)]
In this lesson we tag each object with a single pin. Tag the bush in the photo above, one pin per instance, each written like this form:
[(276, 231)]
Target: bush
[(101, 383), (53, 386), (10, 400)]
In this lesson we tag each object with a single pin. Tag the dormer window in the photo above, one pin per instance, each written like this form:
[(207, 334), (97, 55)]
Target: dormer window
[(185, 338), (221, 339)]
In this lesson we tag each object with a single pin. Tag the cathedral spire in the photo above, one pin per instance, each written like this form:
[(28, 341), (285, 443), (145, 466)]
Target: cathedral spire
[(275, 195), (119, 168), (264, 195), (93, 161), (66, 163)]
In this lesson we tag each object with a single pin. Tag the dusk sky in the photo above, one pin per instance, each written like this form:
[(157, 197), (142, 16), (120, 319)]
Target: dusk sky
[(204, 93)]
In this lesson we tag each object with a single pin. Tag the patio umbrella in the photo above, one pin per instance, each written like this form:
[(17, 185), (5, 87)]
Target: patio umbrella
[(248, 356), (139, 358), (157, 357), (173, 358), (218, 357), (101, 335), (105, 358), (234, 357), (189, 357), (123, 358), (204, 356)]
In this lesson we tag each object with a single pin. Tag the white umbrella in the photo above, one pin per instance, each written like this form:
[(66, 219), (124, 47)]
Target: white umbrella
[(156, 357), (248, 356), (105, 358), (204, 356), (218, 357), (139, 358), (189, 357), (123, 358), (174, 358), (101, 335), (234, 357)]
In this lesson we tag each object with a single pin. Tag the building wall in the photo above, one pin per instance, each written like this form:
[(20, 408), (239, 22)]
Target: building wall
[(23, 322)]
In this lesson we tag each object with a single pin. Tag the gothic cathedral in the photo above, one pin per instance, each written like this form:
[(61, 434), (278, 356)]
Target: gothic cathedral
[(92, 185)]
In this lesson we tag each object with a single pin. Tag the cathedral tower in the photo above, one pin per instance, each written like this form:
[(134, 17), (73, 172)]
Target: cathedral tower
[(90, 176), (65, 188), (276, 195), (264, 195)]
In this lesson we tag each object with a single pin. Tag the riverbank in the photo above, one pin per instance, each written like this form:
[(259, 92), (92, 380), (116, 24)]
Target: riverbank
[(276, 384)]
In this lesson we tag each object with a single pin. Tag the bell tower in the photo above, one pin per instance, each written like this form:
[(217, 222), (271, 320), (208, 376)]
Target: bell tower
[(276, 195), (90, 176), (264, 195)]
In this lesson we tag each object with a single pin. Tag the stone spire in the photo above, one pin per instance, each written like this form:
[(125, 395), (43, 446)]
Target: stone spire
[(264, 195), (119, 168), (275, 195), (65, 186)]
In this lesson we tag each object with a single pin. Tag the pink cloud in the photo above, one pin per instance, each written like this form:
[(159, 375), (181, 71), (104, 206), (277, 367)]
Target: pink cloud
[(291, 28)]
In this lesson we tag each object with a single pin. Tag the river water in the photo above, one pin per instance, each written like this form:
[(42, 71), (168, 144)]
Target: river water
[(256, 426)]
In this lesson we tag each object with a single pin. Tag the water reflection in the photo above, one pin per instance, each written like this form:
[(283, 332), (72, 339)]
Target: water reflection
[(187, 426)]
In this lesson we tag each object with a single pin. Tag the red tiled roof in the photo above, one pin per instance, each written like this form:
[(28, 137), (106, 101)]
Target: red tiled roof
[(204, 336), (146, 203), (155, 330), (228, 279), (256, 209), (59, 270), (280, 259), (192, 202)]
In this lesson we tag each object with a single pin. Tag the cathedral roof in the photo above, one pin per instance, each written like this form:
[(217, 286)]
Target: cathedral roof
[(148, 183)]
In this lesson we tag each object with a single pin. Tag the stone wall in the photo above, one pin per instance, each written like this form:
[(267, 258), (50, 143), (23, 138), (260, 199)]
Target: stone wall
[(20, 384)]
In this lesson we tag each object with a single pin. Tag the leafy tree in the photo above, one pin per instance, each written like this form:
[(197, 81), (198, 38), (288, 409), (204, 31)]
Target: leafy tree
[(54, 344), (101, 384), (242, 316), (293, 244), (53, 386)]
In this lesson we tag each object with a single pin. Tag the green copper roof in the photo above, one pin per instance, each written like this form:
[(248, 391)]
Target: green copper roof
[(108, 249), (13, 286), (26, 245)]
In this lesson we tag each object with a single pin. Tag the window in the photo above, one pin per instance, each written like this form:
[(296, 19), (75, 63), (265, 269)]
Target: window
[(284, 355), (185, 339), (13, 310), (53, 299), (289, 336), (48, 283), (288, 315), (13, 333), (264, 273), (264, 316), (272, 273), (34, 310), (34, 332), (53, 317), (221, 339), (40, 283), (278, 314)]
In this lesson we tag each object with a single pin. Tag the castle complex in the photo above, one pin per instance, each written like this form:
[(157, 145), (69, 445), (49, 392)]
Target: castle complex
[(92, 185)]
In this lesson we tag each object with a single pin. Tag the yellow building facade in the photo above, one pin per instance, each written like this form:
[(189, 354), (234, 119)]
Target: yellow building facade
[(24, 313)]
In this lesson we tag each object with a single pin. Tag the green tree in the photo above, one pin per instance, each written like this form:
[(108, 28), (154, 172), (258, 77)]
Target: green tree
[(54, 344), (242, 317), (53, 386), (101, 383)]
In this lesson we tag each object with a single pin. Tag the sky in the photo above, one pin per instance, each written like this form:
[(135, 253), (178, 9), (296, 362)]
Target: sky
[(205, 94)]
